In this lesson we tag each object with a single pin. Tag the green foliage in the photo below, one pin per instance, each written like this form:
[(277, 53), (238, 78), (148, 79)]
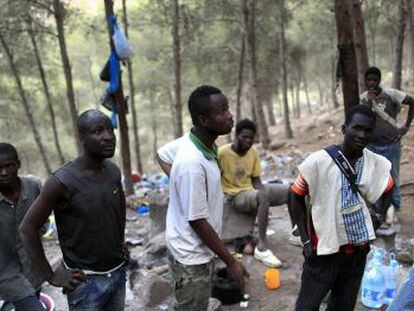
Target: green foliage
[(210, 33)]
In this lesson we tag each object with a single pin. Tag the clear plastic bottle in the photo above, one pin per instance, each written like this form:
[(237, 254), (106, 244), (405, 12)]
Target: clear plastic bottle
[(373, 285), (391, 274)]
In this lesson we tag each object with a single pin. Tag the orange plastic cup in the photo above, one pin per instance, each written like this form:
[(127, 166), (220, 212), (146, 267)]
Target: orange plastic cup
[(272, 278)]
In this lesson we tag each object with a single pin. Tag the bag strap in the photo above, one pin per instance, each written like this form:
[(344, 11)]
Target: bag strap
[(346, 168)]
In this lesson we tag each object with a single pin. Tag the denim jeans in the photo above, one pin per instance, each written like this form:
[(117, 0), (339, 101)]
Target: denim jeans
[(393, 154), (31, 303), (404, 300), (100, 292)]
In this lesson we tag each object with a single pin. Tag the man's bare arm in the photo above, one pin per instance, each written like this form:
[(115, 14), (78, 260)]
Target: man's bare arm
[(257, 183), (52, 193), (410, 102)]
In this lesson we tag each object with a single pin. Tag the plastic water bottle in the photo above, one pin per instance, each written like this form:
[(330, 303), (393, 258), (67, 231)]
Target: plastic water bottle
[(373, 285), (391, 273)]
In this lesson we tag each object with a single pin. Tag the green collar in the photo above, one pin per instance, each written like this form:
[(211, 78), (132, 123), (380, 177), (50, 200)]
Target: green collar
[(207, 153)]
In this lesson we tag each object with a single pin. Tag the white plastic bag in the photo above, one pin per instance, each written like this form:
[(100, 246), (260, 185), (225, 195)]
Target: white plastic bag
[(122, 46)]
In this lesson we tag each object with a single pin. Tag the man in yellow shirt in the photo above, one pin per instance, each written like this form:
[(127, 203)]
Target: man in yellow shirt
[(243, 188)]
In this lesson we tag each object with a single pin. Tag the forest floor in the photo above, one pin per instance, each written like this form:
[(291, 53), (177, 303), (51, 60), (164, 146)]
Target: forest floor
[(311, 134)]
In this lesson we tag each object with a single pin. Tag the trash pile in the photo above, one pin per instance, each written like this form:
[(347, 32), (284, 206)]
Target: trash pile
[(282, 168)]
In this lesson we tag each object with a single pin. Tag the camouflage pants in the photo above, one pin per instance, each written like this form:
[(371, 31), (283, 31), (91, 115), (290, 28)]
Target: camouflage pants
[(192, 284)]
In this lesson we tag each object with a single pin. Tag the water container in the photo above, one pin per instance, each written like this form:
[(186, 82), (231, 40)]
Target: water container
[(373, 286), (391, 273)]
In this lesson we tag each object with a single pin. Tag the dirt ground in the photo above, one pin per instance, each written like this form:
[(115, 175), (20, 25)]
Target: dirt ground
[(311, 134)]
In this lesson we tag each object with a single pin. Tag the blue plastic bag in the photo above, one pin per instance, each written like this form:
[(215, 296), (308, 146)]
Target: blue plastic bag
[(122, 46)]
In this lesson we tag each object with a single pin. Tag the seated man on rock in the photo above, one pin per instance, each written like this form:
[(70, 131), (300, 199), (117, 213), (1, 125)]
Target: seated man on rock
[(241, 183)]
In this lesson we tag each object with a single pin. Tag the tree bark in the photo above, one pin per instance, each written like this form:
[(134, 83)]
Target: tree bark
[(360, 41), (410, 11), (249, 12), (334, 83), (347, 55), (59, 14), (25, 102), (297, 82), (131, 85), (320, 92), (282, 54), (398, 46), (240, 75), (121, 106), (175, 33), (46, 91), (305, 84)]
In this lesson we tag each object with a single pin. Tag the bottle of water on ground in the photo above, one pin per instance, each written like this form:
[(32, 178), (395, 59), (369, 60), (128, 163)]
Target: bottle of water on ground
[(373, 283), (391, 274)]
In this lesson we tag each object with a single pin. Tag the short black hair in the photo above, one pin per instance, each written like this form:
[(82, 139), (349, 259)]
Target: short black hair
[(373, 71), (245, 124), (83, 119), (6, 148), (198, 102), (361, 109)]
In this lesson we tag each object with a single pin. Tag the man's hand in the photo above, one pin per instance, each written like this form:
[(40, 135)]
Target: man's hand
[(237, 272), (69, 279), (308, 249), (403, 131)]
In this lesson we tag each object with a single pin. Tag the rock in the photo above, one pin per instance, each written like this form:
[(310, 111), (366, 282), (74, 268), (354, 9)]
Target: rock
[(155, 252), (277, 145), (158, 212), (151, 291)]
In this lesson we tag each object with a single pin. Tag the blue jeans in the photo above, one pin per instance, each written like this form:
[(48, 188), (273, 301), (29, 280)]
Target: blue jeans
[(100, 292), (31, 303), (404, 300), (393, 154)]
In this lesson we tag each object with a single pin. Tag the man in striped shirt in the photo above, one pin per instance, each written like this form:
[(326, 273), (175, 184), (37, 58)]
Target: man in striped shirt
[(337, 232)]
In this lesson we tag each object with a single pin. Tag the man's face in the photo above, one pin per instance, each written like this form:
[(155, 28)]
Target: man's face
[(99, 138), (245, 139), (372, 81), (358, 132), (9, 166), (220, 120)]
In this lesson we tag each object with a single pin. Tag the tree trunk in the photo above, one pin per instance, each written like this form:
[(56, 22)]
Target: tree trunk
[(297, 81), (132, 97), (398, 46), (347, 55), (305, 85), (59, 14), (410, 11), (320, 92), (175, 13), (360, 41), (270, 113), (334, 83), (282, 54), (46, 91), (26, 104), (249, 12), (240, 75), (334, 75), (372, 26), (121, 106)]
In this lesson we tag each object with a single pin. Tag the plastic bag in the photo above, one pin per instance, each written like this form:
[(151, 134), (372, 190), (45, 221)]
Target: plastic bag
[(122, 46)]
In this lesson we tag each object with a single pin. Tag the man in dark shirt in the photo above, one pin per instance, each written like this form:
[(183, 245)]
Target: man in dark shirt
[(19, 281), (386, 139), (89, 205)]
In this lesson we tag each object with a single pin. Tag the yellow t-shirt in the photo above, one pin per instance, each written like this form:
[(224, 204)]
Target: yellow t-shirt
[(236, 171)]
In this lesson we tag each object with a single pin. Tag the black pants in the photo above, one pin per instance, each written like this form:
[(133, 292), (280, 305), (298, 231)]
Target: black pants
[(339, 273)]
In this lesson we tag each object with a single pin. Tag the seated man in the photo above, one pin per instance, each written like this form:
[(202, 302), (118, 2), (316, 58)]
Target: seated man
[(241, 183)]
